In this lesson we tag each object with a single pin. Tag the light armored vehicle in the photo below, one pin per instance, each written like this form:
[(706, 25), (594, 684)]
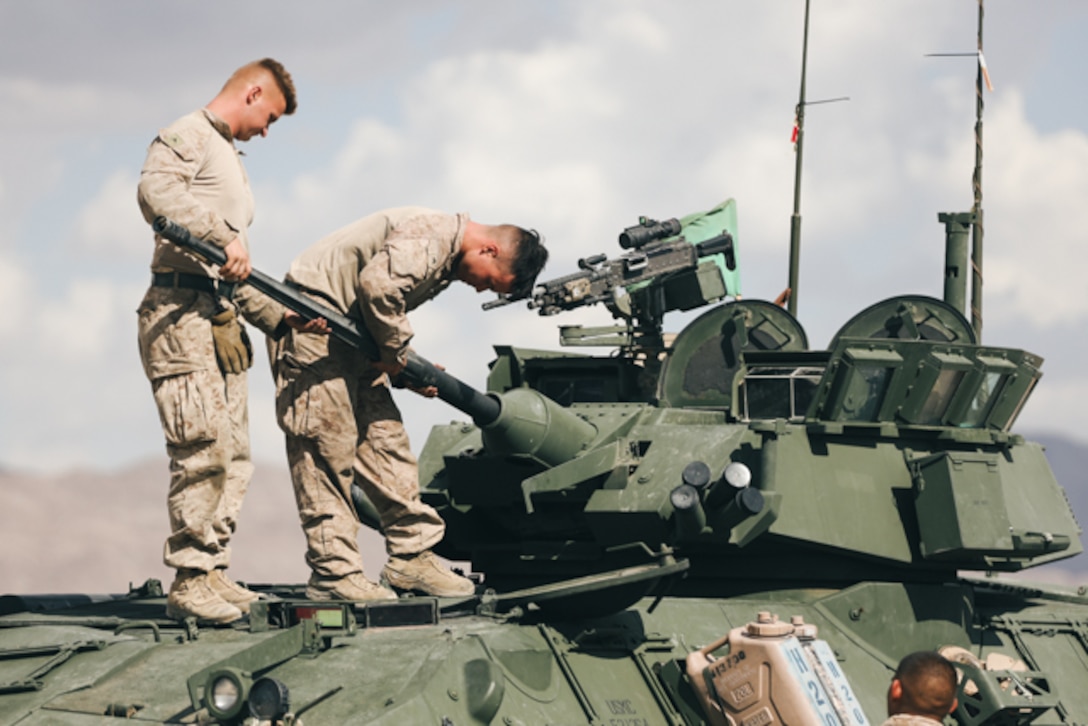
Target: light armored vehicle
[(721, 525)]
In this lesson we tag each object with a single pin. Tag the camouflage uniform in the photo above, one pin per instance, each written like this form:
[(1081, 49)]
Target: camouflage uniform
[(909, 719), (336, 410), (194, 176)]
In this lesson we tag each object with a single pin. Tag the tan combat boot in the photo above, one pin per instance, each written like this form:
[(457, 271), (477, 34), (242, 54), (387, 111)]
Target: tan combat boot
[(192, 596), (354, 587), (424, 573), (230, 590)]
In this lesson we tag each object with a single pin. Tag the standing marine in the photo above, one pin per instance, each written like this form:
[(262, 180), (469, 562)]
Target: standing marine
[(194, 350)]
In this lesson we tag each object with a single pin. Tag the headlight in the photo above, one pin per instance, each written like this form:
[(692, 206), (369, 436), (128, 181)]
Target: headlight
[(225, 693), (269, 700)]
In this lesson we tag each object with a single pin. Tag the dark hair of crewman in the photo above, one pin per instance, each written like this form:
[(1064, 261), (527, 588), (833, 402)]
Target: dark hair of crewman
[(929, 683), (530, 255)]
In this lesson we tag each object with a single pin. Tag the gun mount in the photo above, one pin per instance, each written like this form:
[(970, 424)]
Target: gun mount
[(671, 265)]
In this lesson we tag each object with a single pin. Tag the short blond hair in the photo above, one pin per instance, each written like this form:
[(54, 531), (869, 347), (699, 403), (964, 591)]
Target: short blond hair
[(247, 73)]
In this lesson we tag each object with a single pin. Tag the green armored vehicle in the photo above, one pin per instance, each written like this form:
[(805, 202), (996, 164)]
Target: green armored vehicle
[(718, 526), (723, 526)]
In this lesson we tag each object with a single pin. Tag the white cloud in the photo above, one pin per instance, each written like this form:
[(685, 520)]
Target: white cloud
[(72, 388), (110, 222), (83, 325), (1034, 200), (640, 29), (14, 289), (28, 102)]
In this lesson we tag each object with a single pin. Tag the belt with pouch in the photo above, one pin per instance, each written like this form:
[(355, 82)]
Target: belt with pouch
[(184, 280)]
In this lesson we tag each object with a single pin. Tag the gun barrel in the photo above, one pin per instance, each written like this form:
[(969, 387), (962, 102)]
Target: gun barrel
[(484, 408), (418, 371)]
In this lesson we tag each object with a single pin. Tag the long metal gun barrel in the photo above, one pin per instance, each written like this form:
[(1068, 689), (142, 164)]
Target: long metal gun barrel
[(418, 371)]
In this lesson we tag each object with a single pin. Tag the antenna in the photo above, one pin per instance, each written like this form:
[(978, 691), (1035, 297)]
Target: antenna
[(975, 216), (799, 144), (795, 219), (976, 183)]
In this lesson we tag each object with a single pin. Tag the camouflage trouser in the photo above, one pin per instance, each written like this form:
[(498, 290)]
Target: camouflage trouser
[(205, 421), (342, 426)]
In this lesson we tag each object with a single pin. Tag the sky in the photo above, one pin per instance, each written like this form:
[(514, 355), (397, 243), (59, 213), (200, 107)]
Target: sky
[(572, 117)]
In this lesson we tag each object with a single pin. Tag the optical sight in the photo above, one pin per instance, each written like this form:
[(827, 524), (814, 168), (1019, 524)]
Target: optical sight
[(646, 231)]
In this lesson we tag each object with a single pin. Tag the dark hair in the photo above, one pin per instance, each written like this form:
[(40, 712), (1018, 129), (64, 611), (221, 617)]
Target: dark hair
[(283, 80), (928, 680), (529, 258)]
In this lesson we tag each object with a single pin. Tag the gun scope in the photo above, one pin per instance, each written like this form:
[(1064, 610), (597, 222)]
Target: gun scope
[(648, 230)]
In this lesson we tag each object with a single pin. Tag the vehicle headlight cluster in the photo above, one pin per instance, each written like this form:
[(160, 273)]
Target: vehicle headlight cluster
[(229, 692)]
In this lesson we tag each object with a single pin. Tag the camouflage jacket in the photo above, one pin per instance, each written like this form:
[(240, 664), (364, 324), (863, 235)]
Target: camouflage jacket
[(382, 266), (909, 719), (193, 175)]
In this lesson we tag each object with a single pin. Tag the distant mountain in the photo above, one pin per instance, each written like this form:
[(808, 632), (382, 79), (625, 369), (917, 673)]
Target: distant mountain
[(96, 532), (1069, 461)]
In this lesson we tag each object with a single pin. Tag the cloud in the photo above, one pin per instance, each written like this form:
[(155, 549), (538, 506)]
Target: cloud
[(14, 294), (640, 29), (1034, 196), (109, 223), (30, 103), (73, 389), (83, 325)]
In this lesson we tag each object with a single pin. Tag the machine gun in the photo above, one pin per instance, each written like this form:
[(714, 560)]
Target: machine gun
[(663, 271)]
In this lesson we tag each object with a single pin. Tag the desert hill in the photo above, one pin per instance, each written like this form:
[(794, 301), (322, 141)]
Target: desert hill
[(98, 531)]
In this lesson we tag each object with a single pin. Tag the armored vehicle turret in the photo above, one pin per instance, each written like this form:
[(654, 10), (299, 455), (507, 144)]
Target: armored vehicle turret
[(762, 463)]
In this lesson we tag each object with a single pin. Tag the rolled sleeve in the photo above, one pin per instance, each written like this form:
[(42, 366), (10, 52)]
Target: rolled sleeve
[(384, 285)]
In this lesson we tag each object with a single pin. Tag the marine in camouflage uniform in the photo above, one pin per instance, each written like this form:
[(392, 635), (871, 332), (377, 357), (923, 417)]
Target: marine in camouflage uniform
[(335, 406), (923, 690), (193, 349), (907, 719)]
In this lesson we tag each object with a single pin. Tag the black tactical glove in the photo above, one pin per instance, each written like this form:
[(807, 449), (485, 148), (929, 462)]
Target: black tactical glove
[(232, 346)]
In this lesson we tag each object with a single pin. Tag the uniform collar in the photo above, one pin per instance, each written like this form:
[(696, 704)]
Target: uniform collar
[(459, 238), (909, 718), (219, 125), (458, 241)]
